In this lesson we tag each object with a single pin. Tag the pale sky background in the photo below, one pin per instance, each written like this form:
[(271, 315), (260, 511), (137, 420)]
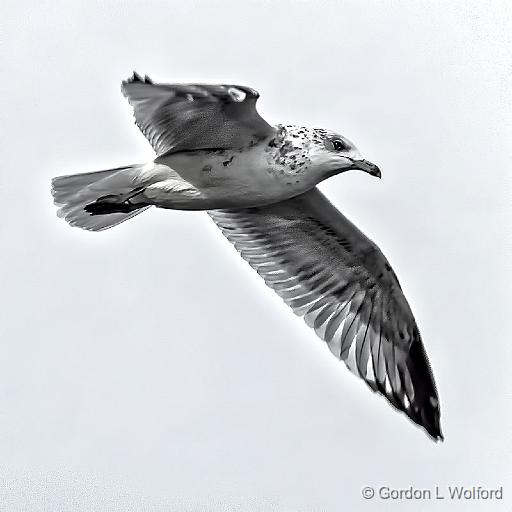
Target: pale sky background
[(148, 368)]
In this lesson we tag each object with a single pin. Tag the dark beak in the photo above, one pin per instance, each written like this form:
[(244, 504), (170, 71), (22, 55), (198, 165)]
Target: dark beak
[(368, 167)]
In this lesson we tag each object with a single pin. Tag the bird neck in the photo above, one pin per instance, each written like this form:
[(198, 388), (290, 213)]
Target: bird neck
[(289, 149)]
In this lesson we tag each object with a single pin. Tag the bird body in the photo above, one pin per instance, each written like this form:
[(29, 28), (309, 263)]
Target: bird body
[(274, 169), (226, 178), (258, 184)]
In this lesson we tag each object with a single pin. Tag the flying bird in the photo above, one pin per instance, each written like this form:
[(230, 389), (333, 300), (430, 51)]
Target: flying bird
[(258, 183)]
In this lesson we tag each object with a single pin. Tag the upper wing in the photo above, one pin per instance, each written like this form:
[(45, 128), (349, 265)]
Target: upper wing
[(177, 117), (330, 273)]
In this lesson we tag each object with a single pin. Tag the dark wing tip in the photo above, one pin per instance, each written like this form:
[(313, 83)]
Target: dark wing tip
[(421, 404), (430, 421), (136, 78), (424, 409)]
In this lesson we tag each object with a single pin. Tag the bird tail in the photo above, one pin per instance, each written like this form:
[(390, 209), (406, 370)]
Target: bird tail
[(99, 200)]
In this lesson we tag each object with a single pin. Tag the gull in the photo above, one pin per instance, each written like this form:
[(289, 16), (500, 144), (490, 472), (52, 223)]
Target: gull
[(258, 183)]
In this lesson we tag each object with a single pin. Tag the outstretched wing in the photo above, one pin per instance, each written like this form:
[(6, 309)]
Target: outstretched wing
[(341, 283), (180, 117)]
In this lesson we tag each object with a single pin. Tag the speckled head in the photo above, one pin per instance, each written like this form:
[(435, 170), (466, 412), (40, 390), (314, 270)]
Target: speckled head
[(320, 153)]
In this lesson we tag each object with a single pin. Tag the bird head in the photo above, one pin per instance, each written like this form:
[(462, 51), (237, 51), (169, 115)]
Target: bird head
[(330, 153)]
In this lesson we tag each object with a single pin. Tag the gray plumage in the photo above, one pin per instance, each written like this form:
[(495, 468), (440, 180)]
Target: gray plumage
[(182, 117), (331, 274)]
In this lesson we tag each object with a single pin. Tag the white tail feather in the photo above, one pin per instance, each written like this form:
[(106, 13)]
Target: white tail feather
[(72, 193)]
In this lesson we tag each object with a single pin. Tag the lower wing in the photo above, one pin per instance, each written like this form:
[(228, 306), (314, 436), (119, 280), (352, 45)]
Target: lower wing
[(330, 273)]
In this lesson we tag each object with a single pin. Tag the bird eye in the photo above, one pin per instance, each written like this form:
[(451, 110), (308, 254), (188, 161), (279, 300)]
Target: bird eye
[(339, 145)]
